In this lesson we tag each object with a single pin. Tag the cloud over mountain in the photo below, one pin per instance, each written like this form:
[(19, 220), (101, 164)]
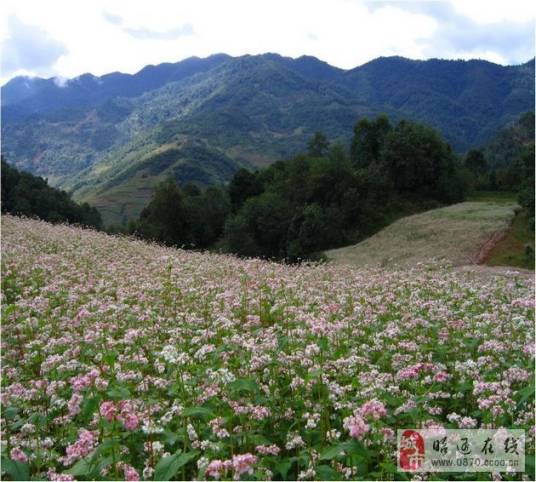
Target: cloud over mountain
[(29, 48)]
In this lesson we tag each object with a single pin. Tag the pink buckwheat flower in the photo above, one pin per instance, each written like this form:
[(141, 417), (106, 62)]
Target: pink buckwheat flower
[(441, 377), (216, 468), (408, 373), (51, 475), (73, 405), (130, 473), (18, 455), (373, 409), (268, 449), (127, 415), (130, 420), (83, 446), (108, 410), (244, 463), (356, 426), (468, 422), (80, 382)]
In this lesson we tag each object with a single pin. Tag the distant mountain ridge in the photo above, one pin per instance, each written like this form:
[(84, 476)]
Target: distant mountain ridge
[(36, 95), (109, 139)]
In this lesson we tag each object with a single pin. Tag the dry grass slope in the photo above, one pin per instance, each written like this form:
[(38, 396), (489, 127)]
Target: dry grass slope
[(455, 234)]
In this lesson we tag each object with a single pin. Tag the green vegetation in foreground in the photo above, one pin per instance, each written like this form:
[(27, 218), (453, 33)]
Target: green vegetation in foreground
[(455, 234), (276, 372), (517, 247)]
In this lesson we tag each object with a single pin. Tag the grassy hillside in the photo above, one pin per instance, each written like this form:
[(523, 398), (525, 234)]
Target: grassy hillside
[(456, 234), (118, 353), (121, 188), (516, 248)]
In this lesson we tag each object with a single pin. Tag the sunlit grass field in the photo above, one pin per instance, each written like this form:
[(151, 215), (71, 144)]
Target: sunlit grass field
[(455, 234)]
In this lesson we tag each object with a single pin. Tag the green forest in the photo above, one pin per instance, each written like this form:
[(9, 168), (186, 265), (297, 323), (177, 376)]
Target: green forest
[(330, 196), (27, 195)]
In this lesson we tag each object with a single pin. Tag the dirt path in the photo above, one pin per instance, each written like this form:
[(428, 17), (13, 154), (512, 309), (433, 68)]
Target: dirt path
[(485, 250)]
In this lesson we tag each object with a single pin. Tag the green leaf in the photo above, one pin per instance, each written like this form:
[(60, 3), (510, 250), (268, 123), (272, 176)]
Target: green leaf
[(39, 419), (198, 412), (167, 467), (323, 343), (88, 407), (325, 472), (391, 400), (10, 412), (119, 393), (388, 466), (402, 476), (355, 447), (258, 439), (170, 437), (244, 385), (9, 309), (82, 467), (109, 357), (529, 466), (313, 374), (283, 467), (15, 469), (525, 394), (334, 451), (465, 387)]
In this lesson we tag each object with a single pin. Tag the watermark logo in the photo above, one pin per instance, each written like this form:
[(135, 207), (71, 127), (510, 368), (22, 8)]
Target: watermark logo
[(411, 450), (464, 450)]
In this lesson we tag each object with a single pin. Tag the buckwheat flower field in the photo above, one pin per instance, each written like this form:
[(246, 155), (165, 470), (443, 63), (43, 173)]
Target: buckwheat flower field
[(126, 360)]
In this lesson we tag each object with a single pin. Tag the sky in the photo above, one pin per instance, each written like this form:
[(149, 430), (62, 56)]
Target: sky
[(66, 38)]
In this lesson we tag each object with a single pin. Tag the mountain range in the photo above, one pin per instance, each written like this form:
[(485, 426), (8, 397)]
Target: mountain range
[(109, 139)]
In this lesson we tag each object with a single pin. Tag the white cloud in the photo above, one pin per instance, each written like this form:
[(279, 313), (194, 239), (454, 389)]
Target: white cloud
[(492, 11), (28, 48), (125, 35)]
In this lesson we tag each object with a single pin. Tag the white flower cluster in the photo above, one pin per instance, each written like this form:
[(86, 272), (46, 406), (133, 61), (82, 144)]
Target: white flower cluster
[(221, 375), (294, 440), (312, 419), (171, 355)]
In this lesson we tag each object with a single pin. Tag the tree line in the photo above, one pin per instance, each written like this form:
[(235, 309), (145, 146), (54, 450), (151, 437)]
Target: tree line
[(24, 194), (506, 163), (329, 196), (326, 197)]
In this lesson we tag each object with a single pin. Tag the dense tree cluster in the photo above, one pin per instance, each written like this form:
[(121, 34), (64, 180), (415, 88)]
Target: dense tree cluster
[(499, 165), (526, 186), (184, 217), (506, 163), (28, 195), (325, 198)]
